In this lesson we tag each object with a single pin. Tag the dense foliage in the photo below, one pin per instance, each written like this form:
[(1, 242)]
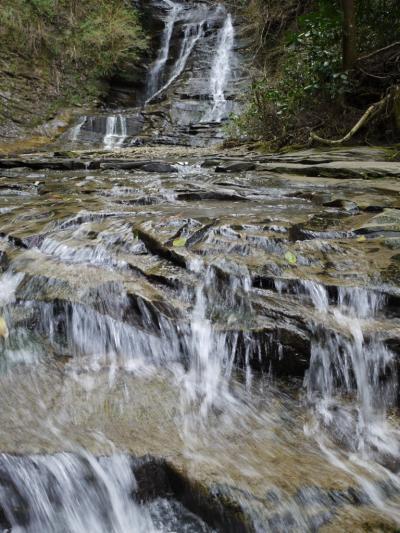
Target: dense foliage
[(290, 97), (82, 40)]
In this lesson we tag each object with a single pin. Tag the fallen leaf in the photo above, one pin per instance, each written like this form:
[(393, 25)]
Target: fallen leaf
[(179, 243), (362, 238), (290, 258), (3, 328)]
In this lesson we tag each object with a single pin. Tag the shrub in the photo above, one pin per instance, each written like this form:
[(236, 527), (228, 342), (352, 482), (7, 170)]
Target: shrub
[(309, 76), (91, 37)]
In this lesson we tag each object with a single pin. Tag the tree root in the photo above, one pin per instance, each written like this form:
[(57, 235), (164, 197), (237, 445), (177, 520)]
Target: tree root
[(372, 111)]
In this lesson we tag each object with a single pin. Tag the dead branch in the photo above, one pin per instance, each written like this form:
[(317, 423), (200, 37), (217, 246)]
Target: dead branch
[(371, 112), (376, 52)]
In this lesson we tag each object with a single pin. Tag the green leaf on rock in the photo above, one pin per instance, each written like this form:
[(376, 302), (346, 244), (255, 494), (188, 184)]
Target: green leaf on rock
[(290, 258), (179, 243)]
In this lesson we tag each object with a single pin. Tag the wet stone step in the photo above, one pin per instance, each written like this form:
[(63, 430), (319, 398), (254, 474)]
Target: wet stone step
[(161, 490), (51, 164), (253, 293)]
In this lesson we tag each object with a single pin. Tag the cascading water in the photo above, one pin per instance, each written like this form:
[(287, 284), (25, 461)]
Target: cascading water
[(104, 487), (192, 34), (116, 132), (76, 130), (196, 36), (346, 363), (221, 72), (57, 483), (156, 72), (351, 383), (160, 351), (210, 354)]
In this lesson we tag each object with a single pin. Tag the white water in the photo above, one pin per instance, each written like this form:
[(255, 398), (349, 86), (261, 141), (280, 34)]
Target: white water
[(211, 356), (221, 72), (116, 132), (192, 34), (71, 493), (79, 493), (157, 70), (52, 486), (221, 64), (349, 361), (76, 130), (351, 384), (192, 25)]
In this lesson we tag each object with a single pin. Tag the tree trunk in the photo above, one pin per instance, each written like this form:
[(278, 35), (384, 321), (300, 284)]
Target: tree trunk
[(349, 34)]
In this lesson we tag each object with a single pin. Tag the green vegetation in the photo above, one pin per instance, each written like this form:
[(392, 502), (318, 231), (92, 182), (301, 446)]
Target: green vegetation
[(323, 64), (65, 48)]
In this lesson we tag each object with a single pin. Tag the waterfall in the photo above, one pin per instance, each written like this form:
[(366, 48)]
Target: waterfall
[(192, 33), (346, 362), (351, 383), (156, 72), (56, 483), (116, 132), (79, 493), (211, 353), (221, 71), (76, 130)]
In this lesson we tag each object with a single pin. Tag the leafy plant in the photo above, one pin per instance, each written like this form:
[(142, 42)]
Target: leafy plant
[(311, 69)]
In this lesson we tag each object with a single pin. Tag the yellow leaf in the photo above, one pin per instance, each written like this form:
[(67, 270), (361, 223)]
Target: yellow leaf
[(290, 258), (362, 238), (179, 243), (3, 328)]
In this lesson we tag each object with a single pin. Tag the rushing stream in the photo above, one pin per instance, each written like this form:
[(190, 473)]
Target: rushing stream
[(191, 342), (146, 320)]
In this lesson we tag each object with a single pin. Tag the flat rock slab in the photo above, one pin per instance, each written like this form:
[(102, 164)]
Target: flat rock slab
[(240, 166), (338, 170)]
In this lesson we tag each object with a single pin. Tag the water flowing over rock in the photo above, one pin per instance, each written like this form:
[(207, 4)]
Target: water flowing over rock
[(116, 132), (221, 71), (192, 85), (156, 74), (191, 350), (192, 339)]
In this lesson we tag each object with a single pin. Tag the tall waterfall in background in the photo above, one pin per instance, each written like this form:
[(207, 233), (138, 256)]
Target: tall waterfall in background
[(189, 79), (221, 71), (193, 31), (156, 72)]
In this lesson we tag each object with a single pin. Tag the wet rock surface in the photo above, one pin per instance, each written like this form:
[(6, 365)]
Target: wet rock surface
[(162, 308)]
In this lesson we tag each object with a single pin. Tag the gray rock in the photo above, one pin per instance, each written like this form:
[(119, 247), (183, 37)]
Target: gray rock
[(239, 166), (162, 168), (345, 205)]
